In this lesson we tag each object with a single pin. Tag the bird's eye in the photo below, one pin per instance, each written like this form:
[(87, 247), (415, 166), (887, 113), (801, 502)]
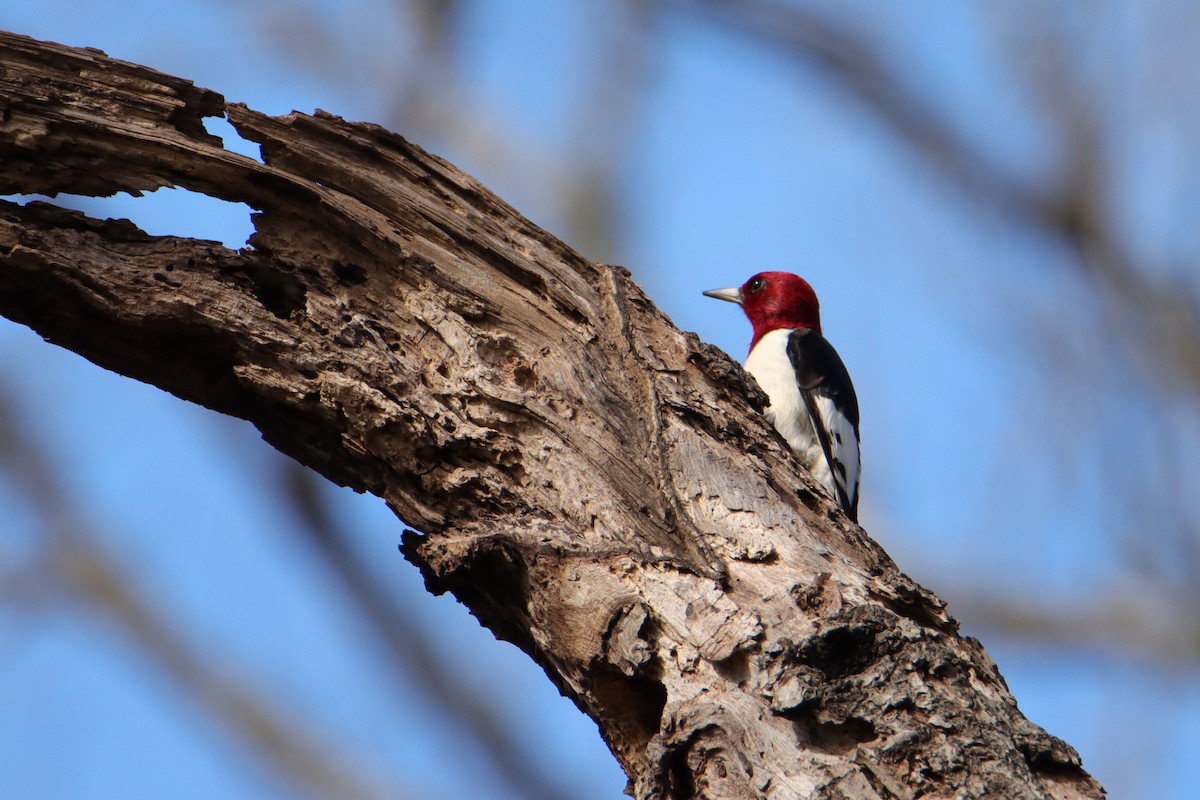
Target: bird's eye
[(755, 285)]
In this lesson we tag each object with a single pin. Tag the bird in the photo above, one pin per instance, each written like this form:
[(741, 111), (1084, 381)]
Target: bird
[(812, 400)]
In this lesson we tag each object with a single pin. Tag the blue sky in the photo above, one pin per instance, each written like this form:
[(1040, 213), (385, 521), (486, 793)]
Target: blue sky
[(735, 161)]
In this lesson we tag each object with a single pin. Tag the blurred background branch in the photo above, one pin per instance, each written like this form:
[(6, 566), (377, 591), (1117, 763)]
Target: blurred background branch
[(71, 569), (413, 657)]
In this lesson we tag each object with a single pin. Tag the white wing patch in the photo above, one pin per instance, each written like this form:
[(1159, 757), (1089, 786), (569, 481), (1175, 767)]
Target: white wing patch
[(843, 446)]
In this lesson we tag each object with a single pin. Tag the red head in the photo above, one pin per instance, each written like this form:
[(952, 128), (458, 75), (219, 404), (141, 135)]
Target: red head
[(774, 300)]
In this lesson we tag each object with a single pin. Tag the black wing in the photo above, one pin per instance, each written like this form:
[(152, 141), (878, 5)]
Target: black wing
[(832, 406)]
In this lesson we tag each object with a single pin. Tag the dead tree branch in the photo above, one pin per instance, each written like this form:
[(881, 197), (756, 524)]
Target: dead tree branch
[(589, 481)]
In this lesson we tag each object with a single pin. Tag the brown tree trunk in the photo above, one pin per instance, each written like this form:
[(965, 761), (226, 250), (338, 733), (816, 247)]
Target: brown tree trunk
[(590, 481)]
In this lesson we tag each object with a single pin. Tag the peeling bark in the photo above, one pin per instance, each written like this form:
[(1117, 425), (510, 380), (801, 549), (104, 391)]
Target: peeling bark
[(590, 481)]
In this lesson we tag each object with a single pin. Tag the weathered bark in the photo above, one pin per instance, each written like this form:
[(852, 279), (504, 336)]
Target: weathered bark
[(591, 482)]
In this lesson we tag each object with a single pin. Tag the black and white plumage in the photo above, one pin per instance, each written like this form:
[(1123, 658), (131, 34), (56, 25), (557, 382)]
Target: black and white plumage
[(812, 400)]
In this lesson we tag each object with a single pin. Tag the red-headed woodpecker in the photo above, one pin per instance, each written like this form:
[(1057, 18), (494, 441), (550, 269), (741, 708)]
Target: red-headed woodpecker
[(812, 402)]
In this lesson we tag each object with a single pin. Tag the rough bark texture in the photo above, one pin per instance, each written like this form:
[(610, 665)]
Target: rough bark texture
[(590, 481)]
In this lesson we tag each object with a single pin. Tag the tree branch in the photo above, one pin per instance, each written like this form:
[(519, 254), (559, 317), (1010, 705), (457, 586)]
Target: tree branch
[(590, 481)]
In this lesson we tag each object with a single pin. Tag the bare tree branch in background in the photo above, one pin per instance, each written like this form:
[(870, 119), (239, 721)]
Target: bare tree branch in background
[(414, 656), (73, 565), (1073, 212), (1127, 622), (604, 122), (1153, 306)]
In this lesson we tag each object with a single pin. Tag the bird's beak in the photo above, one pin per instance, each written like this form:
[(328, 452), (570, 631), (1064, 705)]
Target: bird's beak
[(732, 295)]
